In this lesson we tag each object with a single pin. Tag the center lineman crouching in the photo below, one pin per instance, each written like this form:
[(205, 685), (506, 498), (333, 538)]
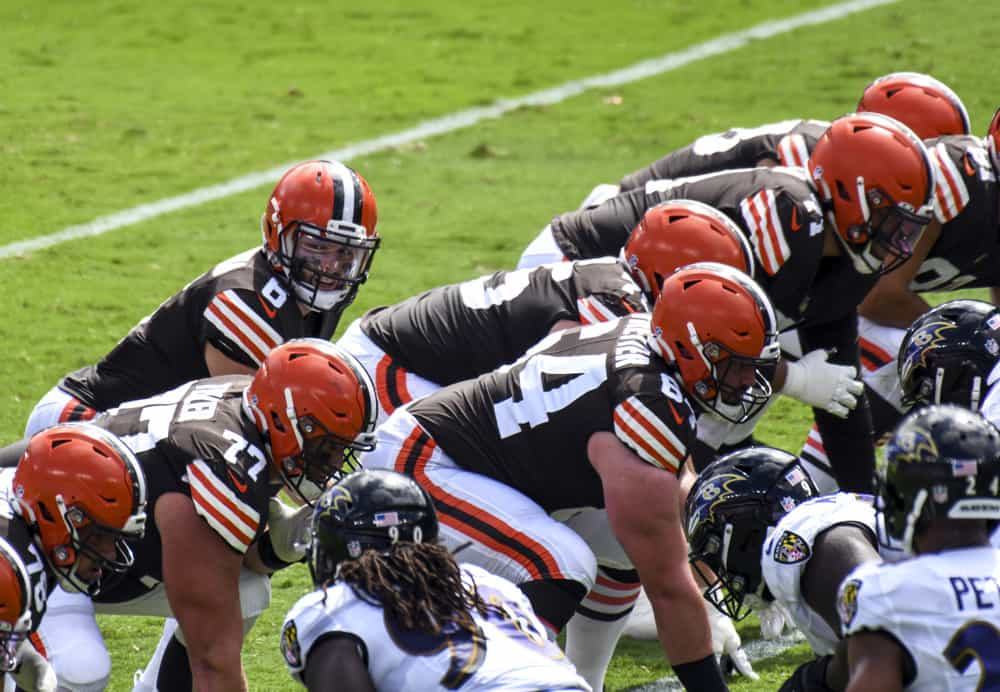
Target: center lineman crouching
[(595, 417)]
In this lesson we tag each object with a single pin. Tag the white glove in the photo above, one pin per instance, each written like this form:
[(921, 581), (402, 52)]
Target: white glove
[(33, 672), (289, 529), (773, 620), (833, 388), (726, 640)]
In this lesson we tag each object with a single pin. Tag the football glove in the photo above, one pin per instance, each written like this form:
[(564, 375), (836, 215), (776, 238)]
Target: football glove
[(726, 642), (289, 529), (827, 386), (33, 672), (773, 620)]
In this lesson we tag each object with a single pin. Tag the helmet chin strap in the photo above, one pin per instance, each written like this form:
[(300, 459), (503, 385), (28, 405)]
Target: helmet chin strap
[(863, 260)]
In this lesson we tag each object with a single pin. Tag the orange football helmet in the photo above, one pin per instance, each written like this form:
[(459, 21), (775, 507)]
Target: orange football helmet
[(993, 140), (83, 493), (673, 234), (315, 405), (15, 607), (919, 101), (717, 327), (876, 182), (319, 232)]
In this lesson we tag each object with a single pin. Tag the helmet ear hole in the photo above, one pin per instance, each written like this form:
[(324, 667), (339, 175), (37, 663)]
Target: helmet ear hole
[(843, 192), (276, 423), (681, 351), (44, 511)]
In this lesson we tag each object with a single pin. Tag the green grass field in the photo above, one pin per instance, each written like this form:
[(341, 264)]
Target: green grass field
[(106, 105)]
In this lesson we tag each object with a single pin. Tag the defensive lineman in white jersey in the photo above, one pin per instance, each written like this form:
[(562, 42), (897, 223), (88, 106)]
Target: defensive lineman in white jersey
[(394, 611), (931, 622)]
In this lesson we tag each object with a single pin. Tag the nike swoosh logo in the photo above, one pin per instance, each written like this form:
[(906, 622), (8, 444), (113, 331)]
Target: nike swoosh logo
[(271, 312), (242, 487), (795, 219), (677, 417), (969, 170)]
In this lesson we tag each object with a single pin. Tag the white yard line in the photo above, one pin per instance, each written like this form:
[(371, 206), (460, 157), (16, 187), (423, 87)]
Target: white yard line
[(448, 123)]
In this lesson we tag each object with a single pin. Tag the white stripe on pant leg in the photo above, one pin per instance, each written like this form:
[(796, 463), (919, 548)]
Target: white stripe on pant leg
[(502, 503)]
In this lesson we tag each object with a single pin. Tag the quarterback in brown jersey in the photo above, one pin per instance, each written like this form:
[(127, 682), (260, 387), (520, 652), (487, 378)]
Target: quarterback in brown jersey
[(457, 332), (319, 238), (594, 419), (214, 453)]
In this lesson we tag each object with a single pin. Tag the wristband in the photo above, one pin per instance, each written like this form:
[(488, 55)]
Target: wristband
[(702, 676), (268, 557)]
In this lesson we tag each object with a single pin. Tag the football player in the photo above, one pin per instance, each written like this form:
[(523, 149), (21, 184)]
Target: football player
[(949, 355), (931, 622), (925, 105), (67, 513), (393, 610), (319, 238), (458, 332), (820, 239), (600, 416), (215, 452), (772, 546), (953, 253)]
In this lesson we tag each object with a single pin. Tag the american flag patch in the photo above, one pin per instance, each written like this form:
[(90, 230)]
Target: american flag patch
[(964, 467), (795, 476), (386, 519)]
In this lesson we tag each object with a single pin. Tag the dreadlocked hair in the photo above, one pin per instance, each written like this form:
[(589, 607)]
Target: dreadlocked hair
[(418, 585)]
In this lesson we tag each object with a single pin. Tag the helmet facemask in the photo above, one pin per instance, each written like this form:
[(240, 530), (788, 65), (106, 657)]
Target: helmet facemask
[(90, 538), (326, 266), (738, 386), (325, 457), (888, 235), (729, 563)]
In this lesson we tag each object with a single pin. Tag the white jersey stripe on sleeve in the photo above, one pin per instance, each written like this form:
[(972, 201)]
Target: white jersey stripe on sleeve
[(792, 151), (950, 195), (651, 438), (592, 311), (767, 235), (222, 319), (775, 231), (257, 324), (227, 514), (243, 326)]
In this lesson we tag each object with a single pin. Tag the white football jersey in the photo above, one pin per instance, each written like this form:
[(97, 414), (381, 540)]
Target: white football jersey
[(943, 608), (789, 547), (990, 408), (514, 653)]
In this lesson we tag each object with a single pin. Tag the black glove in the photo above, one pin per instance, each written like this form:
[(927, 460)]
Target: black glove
[(809, 677)]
